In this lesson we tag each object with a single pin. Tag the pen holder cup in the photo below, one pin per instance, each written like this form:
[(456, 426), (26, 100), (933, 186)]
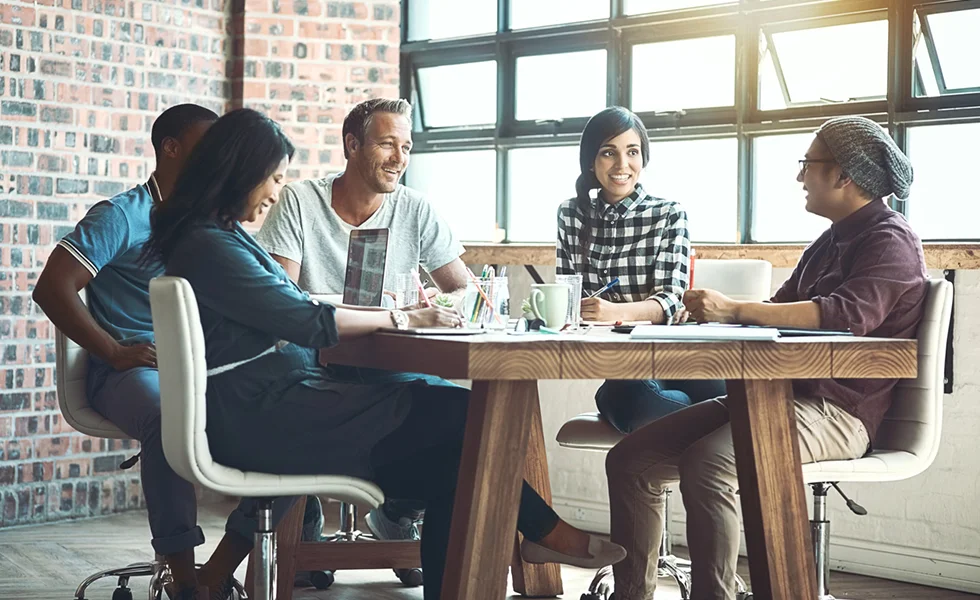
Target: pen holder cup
[(486, 303)]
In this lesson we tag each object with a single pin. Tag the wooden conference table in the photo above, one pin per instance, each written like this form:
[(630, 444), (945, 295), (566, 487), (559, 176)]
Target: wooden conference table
[(504, 428)]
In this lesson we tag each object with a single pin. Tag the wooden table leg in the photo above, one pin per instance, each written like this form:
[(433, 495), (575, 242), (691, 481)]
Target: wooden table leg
[(288, 533), (536, 581), (485, 512), (771, 488)]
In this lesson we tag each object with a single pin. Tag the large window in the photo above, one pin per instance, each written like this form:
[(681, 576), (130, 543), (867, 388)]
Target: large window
[(730, 92)]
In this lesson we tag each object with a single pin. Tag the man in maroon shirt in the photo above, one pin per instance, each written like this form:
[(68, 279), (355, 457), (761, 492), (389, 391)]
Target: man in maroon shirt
[(865, 274)]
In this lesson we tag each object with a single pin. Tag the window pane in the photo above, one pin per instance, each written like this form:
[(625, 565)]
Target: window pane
[(842, 63), (636, 7), (436, 19), (956, 40), (441, 103), (546, 91), (442, 175), (779, 213), (684, 74), (945, 202), (537, 13), (703, 176), (540, 179)]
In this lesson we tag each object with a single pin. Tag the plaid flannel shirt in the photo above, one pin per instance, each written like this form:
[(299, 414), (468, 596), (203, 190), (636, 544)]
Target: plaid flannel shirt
[(642, 240)]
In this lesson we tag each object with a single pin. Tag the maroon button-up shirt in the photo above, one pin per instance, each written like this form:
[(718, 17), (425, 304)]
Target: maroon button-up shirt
[(868, 275)]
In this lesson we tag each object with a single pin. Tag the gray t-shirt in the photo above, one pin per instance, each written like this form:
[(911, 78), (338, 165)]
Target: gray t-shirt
[(304, 228)]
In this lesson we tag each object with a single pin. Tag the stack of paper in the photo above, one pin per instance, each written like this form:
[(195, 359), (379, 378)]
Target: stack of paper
[(702, 333)]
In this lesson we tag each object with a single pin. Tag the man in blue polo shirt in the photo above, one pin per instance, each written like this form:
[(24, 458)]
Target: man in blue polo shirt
[(102, 255)]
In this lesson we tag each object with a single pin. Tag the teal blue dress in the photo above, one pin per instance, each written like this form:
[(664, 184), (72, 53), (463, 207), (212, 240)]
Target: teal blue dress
[(282, 412)]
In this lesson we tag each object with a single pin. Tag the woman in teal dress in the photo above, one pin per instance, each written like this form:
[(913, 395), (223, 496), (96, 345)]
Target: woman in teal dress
[(271, 407)]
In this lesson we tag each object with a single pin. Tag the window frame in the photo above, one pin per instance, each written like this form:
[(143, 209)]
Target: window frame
[(748, 20)]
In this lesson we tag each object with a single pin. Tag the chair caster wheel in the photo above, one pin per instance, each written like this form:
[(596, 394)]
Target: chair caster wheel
[(410, 577), (321, 580), (122, 594)]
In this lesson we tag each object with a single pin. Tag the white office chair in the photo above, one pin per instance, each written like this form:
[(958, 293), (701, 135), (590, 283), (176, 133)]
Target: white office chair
[(908, 439), (183, 384), (906, 444), (741, 279), (71, 373)]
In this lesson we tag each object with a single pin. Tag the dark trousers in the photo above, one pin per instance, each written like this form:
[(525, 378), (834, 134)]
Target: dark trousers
[(631, 404), (131, 400), (420, 460)]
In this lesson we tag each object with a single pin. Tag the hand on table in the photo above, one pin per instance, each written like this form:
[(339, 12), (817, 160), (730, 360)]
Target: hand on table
[(709, 306)]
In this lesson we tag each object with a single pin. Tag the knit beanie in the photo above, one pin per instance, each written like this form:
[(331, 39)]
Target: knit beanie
[(868, 155)]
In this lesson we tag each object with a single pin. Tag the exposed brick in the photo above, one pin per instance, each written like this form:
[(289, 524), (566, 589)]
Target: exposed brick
[(108, 189), (51, 211), (14, 158), (14, 208), (107, 464), (78, 94), (18, 109), (34, 186), (50, 114), (104, 144), (71, 186)]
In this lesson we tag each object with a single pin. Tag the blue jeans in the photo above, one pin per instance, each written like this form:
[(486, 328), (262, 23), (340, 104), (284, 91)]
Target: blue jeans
[(631, 404), (131, 400)]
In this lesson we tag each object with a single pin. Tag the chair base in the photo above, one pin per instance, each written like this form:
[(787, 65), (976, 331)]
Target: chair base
[(157, 571), (679, 569)]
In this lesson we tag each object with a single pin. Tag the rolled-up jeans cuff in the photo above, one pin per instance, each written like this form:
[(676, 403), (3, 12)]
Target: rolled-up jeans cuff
[(178, 543), (244, 520)]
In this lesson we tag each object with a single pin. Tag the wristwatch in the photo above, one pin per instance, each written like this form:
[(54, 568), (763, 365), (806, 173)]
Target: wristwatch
[(399, 319)]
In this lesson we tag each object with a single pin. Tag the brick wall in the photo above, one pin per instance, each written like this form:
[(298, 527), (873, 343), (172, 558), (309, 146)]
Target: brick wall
[(80, 84), (306, 64)]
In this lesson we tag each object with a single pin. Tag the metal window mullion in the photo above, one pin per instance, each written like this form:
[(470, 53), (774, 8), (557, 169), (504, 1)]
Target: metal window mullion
[(778, 65), (937, 67), (617, 9), (503, 195), (616, 62), (746, 105), (506, 101)]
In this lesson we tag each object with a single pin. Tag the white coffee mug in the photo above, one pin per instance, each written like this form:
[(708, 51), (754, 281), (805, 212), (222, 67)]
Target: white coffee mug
[(549, 302)]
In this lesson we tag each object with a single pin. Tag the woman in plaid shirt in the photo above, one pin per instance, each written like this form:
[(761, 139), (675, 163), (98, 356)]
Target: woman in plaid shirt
[(622, 231)]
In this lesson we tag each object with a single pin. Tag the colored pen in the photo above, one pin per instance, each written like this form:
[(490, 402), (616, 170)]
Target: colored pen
[(606, 287), (418, 283)]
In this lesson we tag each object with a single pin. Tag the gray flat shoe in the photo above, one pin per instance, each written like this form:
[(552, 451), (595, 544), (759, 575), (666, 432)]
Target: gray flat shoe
[(602, 553)]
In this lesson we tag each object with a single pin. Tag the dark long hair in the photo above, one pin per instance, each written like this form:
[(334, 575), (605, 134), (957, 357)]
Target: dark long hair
[(602, 127), (240, 151)]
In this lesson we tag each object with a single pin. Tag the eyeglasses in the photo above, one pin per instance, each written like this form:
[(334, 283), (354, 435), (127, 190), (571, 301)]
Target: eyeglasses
[(806, 161)]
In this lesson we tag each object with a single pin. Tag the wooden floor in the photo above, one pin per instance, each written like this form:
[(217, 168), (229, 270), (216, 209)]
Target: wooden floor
[(48, 561)]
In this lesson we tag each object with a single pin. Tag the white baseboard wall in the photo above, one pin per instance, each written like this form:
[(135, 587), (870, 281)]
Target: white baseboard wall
[(897, 563)]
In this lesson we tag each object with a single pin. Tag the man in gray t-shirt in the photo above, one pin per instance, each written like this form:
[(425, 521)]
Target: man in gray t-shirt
[(308, 231)]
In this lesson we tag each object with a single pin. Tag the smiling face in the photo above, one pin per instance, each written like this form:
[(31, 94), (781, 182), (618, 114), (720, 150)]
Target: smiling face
[(618, 166), (821, 179), (384, 155), (266, 193)]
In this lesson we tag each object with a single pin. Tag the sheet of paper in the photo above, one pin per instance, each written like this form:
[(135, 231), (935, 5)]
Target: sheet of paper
[(699, 333)]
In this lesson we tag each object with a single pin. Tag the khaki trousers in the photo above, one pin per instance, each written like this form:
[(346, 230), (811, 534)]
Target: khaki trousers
[(694, 446)]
